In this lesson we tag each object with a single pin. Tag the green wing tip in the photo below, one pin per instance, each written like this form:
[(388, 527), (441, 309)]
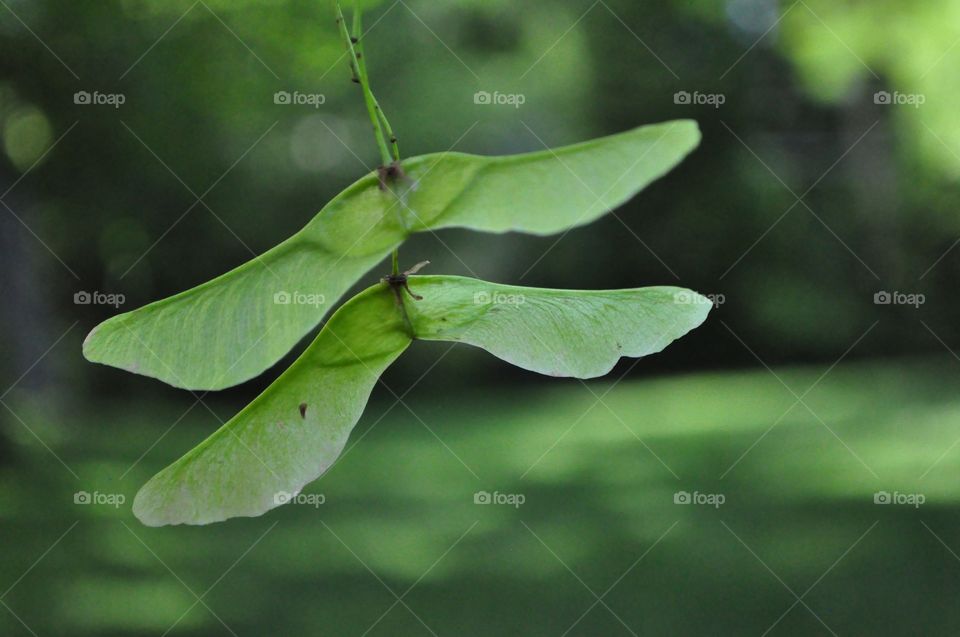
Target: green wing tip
[(693, 127), (141, 512), (687, 298), (88, 345), (150, 514), (696, 129), (706, 304), (687, 121)]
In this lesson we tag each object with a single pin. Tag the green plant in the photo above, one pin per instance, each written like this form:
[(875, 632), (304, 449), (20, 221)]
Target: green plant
[(232, 328)]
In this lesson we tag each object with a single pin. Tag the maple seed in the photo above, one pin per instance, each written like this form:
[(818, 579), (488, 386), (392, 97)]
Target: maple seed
[(303, 410)]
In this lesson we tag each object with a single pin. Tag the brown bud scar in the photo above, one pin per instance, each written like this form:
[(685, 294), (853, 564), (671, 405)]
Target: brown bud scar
[(399, 281), (391, 173)]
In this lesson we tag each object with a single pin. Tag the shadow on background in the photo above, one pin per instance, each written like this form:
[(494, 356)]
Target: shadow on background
[(599, 516)]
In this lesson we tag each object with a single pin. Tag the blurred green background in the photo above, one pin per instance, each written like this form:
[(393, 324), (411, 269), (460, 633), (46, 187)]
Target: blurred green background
[(828, 174)]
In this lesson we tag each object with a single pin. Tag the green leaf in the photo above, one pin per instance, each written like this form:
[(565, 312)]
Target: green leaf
[(231, 329), (578, 333), (270, 449)]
